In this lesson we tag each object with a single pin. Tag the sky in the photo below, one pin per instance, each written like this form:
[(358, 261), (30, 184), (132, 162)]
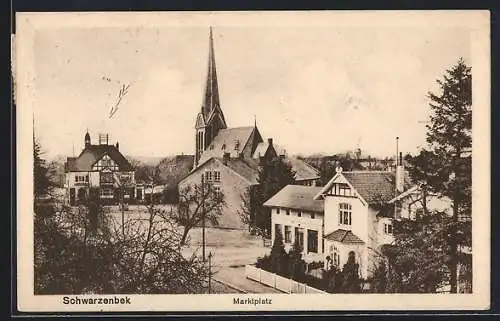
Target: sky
[(313, 89)]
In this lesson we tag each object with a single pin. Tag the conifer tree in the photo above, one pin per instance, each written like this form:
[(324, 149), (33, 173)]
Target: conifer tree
[(449, 137)]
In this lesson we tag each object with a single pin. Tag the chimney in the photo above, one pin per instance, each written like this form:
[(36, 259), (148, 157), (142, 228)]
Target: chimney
[(270, 141), (225, 158), (117, 146), (400, 174)]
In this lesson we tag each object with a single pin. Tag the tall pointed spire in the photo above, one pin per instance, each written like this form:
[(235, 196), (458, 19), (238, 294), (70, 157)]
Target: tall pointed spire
[(211, 99)]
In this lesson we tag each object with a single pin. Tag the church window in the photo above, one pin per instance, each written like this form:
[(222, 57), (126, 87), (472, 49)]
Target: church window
[(217, 176)]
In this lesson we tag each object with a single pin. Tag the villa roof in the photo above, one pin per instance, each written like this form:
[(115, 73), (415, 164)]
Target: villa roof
[(375, 187), (297, 197), (344, 236), (91, 154)]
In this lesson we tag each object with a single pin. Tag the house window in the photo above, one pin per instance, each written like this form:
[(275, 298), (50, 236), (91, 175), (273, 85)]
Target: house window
[(217, 190), (299, 237), (342, 189), (107, 178), (287, 212), (208, 176), (313, 215), (299, 213), (217, 176), (312, 241), (106, 192), (277, 230), (335, 255), (288, 234), (81, 178), (387, 228), (345, 210), (277, 210)]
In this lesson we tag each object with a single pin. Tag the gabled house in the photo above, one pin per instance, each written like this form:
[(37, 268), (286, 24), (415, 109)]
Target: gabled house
[(299, 218), (101, 167), (229, 158), (356, 211)]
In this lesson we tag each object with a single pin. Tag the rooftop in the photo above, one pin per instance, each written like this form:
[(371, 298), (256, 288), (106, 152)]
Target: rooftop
[(91, 154), (344, 236), (297, 197)]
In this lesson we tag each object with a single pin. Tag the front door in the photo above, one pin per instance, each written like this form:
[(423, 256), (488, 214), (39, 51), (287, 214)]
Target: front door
[(71, 196), (82, 195)]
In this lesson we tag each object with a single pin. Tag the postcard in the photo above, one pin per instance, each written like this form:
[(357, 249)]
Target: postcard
[(252, 161)]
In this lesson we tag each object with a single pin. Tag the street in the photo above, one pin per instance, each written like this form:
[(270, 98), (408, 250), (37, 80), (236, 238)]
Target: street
[(231, 250)]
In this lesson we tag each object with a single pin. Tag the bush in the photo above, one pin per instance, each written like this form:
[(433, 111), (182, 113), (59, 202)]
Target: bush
[(315, 265)]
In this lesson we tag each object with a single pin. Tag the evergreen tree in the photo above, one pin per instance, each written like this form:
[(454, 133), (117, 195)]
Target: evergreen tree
[(42, 173), (449, 137), (296, 265), (427, 251), (278, 256), (274, 174), (350, 275)]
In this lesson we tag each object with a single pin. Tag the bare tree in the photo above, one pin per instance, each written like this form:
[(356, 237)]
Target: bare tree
[(198, 203), (77, 251)]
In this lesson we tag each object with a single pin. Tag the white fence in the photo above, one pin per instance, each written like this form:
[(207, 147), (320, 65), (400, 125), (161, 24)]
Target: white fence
[(278, 282)]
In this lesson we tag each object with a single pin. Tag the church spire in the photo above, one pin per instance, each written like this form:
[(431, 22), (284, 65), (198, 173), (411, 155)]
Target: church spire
[(211, 99)]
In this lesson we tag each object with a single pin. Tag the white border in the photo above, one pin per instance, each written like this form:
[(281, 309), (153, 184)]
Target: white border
[(476, 21)]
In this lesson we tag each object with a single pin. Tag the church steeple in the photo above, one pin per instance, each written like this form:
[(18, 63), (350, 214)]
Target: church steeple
[(211, 100), (210, 119)]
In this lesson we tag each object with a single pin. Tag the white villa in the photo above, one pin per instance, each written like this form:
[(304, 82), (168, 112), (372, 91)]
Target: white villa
[(353, 212)]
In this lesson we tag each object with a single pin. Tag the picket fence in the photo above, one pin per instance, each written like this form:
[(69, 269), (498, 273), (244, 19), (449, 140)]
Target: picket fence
[(278, 282)]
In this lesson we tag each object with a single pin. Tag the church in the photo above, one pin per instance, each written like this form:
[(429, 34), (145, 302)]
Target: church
[(229, 157)]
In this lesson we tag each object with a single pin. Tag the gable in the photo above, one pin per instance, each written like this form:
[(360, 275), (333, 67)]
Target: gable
[(94, 153), (105, 163)]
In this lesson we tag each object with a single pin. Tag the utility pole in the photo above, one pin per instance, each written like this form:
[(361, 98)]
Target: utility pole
[(203, 213), (209, 272)]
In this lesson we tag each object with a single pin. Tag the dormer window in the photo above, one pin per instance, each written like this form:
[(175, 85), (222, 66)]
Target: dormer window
[(237, 145)]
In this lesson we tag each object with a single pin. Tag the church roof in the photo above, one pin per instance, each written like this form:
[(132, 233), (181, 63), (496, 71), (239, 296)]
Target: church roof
[(226, 141), (303, 171), (297, 197), (91, 154), (247, 168)]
